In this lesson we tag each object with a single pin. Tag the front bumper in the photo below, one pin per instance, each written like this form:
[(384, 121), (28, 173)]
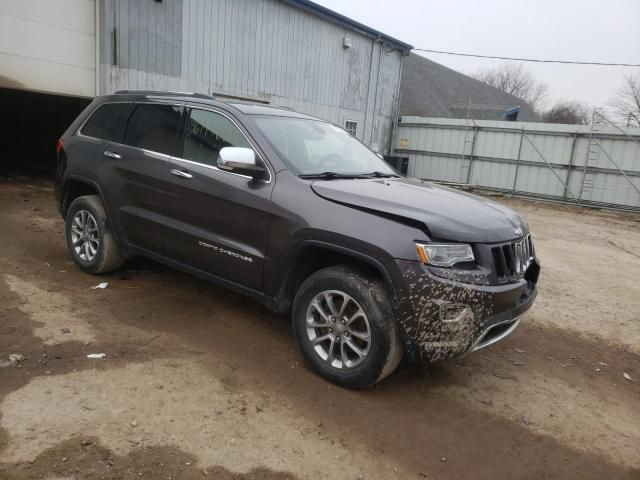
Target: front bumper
[(483, 314)]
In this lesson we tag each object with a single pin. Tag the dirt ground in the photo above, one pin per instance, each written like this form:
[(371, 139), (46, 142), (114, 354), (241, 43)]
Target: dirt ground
[(199, 382)]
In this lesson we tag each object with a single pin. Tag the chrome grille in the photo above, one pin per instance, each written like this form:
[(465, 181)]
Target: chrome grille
[(512, 259)]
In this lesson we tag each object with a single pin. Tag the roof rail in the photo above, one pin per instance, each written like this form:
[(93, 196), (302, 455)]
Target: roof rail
[(155, 92)]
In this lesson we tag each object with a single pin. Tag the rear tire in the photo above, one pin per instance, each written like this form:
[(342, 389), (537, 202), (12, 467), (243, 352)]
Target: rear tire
[(344, 326), (89, 238)]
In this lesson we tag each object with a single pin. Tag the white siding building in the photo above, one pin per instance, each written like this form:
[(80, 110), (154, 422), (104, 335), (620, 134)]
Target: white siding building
[(292, 53), (48, 46)]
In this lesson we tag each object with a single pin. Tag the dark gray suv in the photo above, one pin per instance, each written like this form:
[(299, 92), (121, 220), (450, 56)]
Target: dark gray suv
[(298, 214)]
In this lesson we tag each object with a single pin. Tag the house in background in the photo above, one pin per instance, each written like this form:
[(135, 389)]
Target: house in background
[(429, 89)]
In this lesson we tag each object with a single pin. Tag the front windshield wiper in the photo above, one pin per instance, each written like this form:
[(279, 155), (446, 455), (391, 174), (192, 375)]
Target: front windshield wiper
[(377, 174), (331, 176)]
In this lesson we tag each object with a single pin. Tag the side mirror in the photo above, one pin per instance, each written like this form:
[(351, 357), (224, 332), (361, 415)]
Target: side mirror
[(240, 160)]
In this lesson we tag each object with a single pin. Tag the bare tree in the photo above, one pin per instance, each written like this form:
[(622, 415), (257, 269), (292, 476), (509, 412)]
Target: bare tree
[(626, 105), (515, 79), (571, 112)]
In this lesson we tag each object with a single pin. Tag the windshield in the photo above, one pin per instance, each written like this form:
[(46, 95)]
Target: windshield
[(314, 147)]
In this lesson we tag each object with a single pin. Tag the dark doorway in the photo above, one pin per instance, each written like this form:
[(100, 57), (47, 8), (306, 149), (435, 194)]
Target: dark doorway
[(30, 124)]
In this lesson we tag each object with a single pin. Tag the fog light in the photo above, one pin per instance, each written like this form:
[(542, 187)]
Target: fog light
[(452, 313)]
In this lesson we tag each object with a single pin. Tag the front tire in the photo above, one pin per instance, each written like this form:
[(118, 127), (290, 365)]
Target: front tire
[(343, 324), (89, 238)]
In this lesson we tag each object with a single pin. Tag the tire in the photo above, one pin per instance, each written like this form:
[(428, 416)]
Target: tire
[(331, 287), (104, 254)]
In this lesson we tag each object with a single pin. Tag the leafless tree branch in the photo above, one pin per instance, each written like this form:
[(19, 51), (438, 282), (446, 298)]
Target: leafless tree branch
[(515, 79), (571, 112), (626, 105)]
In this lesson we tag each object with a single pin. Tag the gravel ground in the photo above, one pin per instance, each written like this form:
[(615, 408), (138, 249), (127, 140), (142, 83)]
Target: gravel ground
[(199, 382)]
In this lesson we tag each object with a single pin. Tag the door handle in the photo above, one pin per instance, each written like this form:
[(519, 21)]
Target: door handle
[(181, 173), (113, 155)]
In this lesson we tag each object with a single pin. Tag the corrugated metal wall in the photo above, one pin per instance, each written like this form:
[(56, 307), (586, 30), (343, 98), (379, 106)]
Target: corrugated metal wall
[(543, 160), (261, 49)]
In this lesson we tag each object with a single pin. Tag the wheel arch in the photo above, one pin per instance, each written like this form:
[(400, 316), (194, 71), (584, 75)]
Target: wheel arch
[(76, 186), (321, 255)]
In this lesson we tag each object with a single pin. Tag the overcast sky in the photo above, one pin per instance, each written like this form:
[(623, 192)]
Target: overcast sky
[(585, 30)]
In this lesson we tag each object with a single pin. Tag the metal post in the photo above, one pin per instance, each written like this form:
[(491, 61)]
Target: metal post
[(473, 151), (570, 165), (97, 32), (374, 127), (464, 145), (366, 110), (396, 111), (515, 177)]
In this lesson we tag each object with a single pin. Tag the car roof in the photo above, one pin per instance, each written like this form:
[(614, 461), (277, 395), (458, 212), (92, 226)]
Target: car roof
[(246, 107), (258, 109)]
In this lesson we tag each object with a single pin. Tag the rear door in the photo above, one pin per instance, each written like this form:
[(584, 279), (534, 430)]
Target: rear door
[(103, 129), (138, 173), (219, 219)]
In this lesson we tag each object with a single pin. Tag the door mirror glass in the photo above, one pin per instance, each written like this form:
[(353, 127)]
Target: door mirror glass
[(240, 160)]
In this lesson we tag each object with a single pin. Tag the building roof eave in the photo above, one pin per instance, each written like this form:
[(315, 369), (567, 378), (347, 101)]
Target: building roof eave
[(330, 15)]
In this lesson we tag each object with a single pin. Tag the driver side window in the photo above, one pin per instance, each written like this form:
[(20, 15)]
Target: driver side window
[(207, 133)]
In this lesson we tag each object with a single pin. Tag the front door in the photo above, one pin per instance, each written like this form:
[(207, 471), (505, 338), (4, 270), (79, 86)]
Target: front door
[(219, 220)]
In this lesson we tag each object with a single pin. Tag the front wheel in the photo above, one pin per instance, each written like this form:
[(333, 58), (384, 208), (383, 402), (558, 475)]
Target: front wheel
[(344, 326)]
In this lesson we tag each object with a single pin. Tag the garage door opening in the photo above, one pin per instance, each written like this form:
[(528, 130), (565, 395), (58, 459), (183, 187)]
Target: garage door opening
[(30, 124)]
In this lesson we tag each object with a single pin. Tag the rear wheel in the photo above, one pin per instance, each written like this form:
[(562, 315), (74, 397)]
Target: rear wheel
[(344, 327), (89, 238)]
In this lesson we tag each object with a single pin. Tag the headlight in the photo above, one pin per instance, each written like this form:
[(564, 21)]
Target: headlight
[(444, 255)]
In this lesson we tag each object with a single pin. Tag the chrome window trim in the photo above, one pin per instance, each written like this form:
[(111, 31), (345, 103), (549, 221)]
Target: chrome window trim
[(211, 167), (164, 156), (79, 133), (180, 159)]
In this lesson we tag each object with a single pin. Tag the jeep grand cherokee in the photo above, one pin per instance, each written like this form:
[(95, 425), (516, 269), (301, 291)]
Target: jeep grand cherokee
[(298, 214)]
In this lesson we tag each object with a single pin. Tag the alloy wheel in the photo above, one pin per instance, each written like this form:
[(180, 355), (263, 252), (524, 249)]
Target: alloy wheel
[(338, 329), (85, 235)]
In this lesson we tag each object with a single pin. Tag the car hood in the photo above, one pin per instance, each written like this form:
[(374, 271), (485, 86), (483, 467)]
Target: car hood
[(448, 214)]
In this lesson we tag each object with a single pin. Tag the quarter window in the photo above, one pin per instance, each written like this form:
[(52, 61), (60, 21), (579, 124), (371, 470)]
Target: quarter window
[(154, 127), (208, 133), (108, 122)]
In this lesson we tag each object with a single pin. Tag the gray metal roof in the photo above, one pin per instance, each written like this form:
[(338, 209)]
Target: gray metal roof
[(429, 89), (335, 17)]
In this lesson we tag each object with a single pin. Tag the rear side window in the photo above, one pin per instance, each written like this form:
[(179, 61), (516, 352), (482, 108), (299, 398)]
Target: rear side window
[(207, 134), (108, 121), (154, 127)]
